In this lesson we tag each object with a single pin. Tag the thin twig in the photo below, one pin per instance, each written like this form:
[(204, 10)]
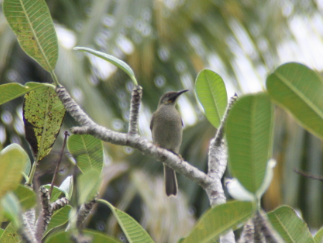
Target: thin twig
[(58, 163), (309, 175)]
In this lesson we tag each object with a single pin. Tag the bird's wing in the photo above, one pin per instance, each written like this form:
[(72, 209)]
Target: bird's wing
[(151, 122)]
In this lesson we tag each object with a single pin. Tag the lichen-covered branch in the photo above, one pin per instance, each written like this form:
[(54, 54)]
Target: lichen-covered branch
[(248, 232), (217, 160), (136, 96), (73, 108), (28, 230), (217, 164), (45, 215), (83, 212), (264, 227), (59, 203)]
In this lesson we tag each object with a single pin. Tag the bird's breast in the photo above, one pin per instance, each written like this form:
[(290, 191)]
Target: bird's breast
[(167, 129)]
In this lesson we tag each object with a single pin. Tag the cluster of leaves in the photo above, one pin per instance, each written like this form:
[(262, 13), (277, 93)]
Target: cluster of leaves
[(248, 130)]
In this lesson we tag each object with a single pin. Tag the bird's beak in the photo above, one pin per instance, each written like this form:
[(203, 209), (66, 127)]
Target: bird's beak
[(175, 95), (181, 92)]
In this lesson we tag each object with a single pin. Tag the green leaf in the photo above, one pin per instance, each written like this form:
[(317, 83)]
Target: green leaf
[(26, 196), (43, 114), (1, 232), (211, 92), (130, 227), (12, 163), (87, 150), (67, 187), (218, 220), (88, 184), (12, 91), (119, 63), (96, 237), (299, 90), (318, 238), (56, 192), (10, 234), (33, 25), (59, 218), (11, 208), (249, 135), (290, 227)]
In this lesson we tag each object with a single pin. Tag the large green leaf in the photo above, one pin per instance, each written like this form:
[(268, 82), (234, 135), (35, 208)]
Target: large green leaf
[(130, 227), (11, 208), (11, 91), (59, 218), (26, 196), (119, 63), (211, 92), (218, 220), (12, 163), (299, 90), (43, 114), (96, 236), (88, 184), (10, 234), (319, 236), (33, 25), (87, 150), (249, 135), (290, 227)]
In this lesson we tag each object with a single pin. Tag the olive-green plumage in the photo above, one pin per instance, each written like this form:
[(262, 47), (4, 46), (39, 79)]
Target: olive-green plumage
[(166, 128)]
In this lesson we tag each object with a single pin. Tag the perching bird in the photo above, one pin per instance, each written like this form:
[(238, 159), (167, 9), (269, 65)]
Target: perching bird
[(166, 128)]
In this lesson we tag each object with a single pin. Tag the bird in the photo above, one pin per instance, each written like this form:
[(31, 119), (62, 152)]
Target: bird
[(166, 127)]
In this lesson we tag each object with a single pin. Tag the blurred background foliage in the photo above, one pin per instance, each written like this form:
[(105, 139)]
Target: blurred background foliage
[(167, 42)]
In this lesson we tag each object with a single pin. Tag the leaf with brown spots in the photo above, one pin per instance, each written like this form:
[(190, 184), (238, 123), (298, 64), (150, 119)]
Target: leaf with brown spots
[(43, 115)]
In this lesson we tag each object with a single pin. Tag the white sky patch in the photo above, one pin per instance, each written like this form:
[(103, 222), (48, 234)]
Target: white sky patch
[(247, 75), (125, 44), (65, 37), (308, 45), (144, 122), (216, 65), (104, 68), (187, 111)]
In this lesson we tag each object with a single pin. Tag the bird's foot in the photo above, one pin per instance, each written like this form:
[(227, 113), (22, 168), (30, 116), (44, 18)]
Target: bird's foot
[(180, 156)]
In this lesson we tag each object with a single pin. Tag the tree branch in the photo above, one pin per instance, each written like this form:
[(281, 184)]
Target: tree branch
[(46, 213), (136, 96), (134, 141), (217, 164)]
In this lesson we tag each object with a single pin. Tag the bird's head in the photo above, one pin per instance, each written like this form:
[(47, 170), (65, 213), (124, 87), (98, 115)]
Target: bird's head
[(170, 98)]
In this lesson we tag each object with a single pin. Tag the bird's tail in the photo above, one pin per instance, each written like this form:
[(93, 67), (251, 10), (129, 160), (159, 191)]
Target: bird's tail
[(170, 181)]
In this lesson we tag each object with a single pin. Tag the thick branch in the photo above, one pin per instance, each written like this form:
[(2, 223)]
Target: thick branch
[(248, 232), (217, 164), (134, 141), (46, 213), (267, 231), (28, 230), (83, 212)]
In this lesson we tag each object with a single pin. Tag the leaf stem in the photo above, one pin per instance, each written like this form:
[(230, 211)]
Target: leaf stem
[(32, 173), (54, 77)]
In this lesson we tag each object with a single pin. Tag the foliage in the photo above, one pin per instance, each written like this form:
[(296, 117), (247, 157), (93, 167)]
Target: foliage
[(248, 131)]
